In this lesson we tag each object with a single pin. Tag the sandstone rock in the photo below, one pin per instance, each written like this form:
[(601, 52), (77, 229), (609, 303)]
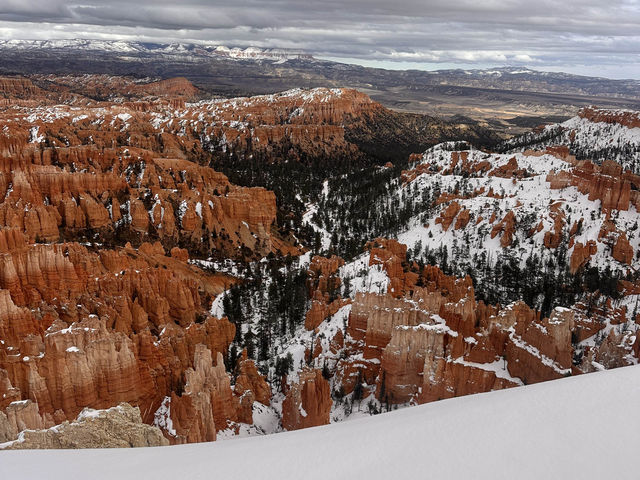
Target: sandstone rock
[(7, 431), (627, 118), (308, 402), (541, 350), (119, 190), (463, 219), (622, 250), (606, 183), (554, 238), (116, 427), (435, 341), (581, 255), (457, 379), (320, 311), (448, 214), (130, 341), (507, 227), (404, 360), (180, 254), (249, 379), (207, 404), (322, 274), (393, 256), (508, 170)]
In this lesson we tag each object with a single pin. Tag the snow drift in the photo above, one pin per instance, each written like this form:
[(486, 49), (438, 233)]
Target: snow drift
[(580, 427)]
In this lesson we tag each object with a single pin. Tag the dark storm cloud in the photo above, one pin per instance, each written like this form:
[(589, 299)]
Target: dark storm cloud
[(538, 33)]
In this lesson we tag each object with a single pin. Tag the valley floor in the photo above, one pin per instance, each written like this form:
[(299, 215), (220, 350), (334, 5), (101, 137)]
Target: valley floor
[(579, 427)]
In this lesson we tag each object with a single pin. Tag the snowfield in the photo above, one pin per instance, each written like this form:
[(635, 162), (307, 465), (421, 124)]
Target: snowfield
[(580, 427)]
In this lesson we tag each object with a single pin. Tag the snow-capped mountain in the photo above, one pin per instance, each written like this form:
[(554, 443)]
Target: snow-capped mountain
[(153, 49)]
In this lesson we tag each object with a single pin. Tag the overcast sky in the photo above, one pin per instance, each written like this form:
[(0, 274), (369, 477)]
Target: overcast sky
[(595, 37)]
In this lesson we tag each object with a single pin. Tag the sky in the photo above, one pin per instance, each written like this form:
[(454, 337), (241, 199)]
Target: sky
[(590, 37)]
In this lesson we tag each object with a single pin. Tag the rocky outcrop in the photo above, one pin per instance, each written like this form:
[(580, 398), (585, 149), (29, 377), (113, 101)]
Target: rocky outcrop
[(95, 325), (581, 255), (18, 416), (542, 350), (308, 402), (448, 214), (138, 198), (607, 183), (321, 309), (120, 175), (436, 341), (82, 328), (392, 255), (622, 250), (205, 406), (506, 227), (553, 239), (250, 386), (458, 379), (510, 169), (14, 88), (323, 283), (116, 427), (322, 274), (626, 118), (172, 88), (463, 219)]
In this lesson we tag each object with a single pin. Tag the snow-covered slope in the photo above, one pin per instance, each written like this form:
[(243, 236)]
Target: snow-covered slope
[(583, 427), (532, 200), (595, 134)]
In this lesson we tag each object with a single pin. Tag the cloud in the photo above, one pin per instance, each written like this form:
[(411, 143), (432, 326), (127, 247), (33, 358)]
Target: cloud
[(542, 32)]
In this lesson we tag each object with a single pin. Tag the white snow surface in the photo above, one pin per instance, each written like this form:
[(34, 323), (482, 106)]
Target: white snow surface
[(529, 198), (579, 427)]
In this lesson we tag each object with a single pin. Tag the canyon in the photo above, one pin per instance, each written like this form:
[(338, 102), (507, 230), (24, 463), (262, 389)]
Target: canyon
[(140, 287)]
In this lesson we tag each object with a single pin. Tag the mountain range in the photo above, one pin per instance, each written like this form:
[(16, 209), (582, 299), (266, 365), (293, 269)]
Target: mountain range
[(509, 100)]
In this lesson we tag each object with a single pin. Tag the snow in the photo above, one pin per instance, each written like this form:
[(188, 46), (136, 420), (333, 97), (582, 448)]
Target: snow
[(162, 417), (529, 198), (184, 51), (35, 136), (365, 278), (596, 140), (217, 306), (532, 432), (92, 413), (266, 420)]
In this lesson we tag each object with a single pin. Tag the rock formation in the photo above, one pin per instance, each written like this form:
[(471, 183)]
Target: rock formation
[(437, 341), (116, 427), (250, 386), (206, 405), (323, 283), (626, 118), (581, 255), (607, 183), (308, 402)]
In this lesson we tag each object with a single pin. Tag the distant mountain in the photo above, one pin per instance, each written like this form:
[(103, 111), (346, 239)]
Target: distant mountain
[(511, 99), (154, 49)]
